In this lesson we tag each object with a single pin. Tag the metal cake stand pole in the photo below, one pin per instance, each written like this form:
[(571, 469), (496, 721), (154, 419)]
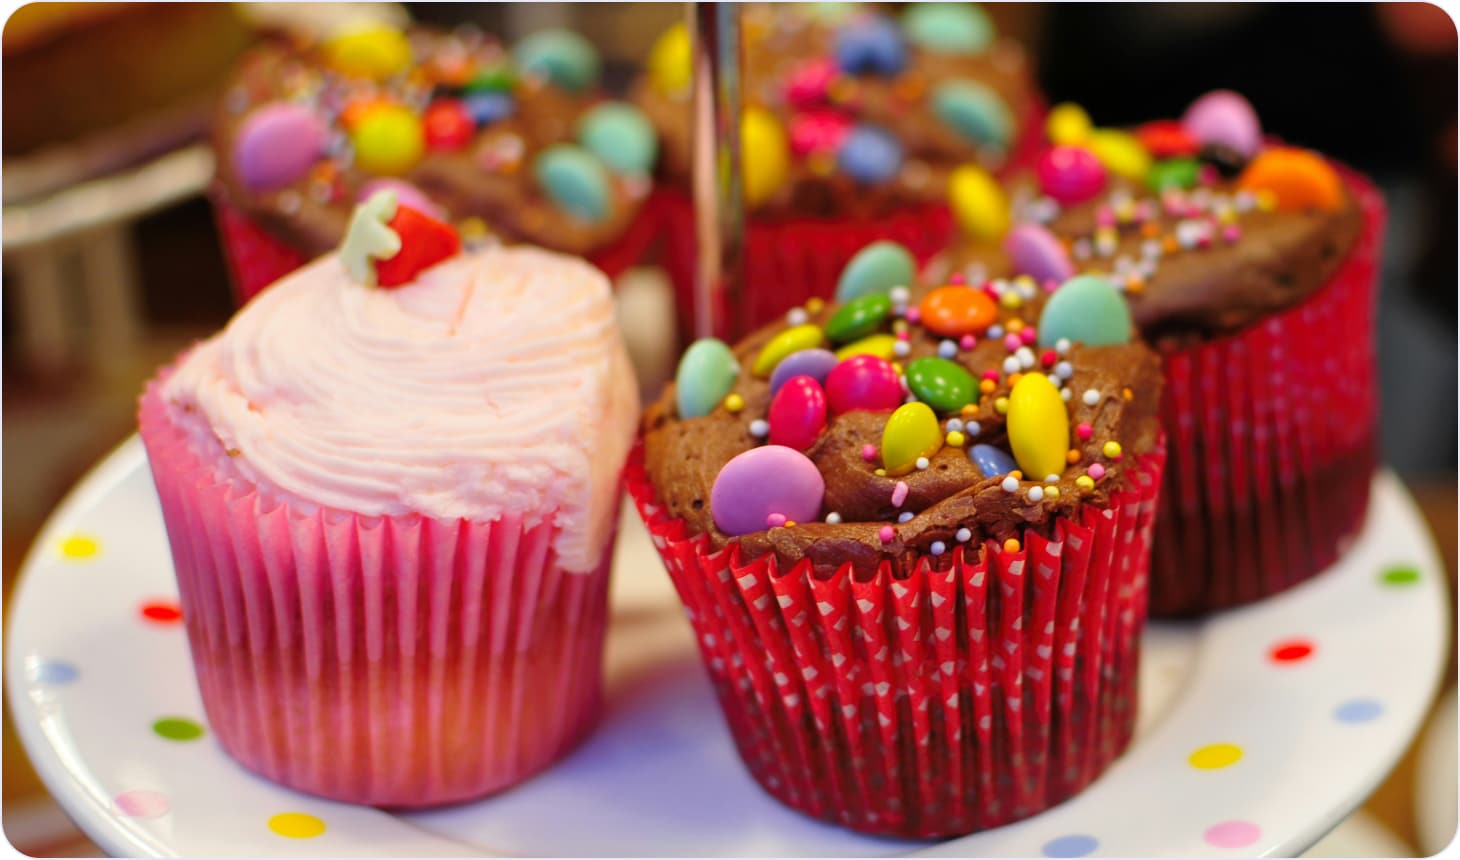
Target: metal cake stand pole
[(719, 220)]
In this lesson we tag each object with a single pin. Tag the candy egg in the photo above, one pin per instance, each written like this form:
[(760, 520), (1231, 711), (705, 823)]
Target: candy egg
[(1070, 174), (863, 382), (797, 414), (940, 383), (911, 432), (876, 268), (562, 56), (448, 125), (880, 345), (1088, 310), (621, 135), (815, 363), (818, 131), (992, 462), (1034, 251), (485, 108), (574, 180), (388, 140), (978, 203), (375, 51), (1039, 426), (493, 79), (948, 28), (1067, 125), (765, 157), (1297, 178), (956, 311), (975, 111), (1226, 118), (807, 84), (1121, 153), (858, 318), (758, 483), (1166, 138), (1179, 173), (869, 155), (669, 61), (276, 145), (870, 45), (707, 371), (778, 348)]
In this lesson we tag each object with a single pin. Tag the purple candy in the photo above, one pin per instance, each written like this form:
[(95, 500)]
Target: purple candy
[(406, 195), (1224, 118), (277, 144), (763, 481), (1037, 253), (815, 363)]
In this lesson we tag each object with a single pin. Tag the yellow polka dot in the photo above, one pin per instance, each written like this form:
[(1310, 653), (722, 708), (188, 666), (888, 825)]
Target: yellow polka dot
[(1215, 756), (296, 825), (79, 546)]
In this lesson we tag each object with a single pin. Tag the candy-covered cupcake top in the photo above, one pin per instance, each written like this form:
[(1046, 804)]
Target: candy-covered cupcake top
[(853, 109), (513, 140), (902, 420), (401, 376), (1204, 224)]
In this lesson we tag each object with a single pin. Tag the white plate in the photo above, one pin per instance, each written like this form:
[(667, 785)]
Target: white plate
[(89, 674)]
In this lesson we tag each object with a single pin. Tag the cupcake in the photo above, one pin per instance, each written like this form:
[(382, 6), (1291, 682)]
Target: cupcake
[(390, 487), (1250, 265), (518, 143), (911, 532), (855, 122)]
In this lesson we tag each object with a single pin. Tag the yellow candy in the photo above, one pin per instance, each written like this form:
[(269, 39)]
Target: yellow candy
[(765, 155), (1039, 426), (791, 340), (1067, 125), (1121, 153), (388, 140), (669, 61), (911, 432), (978, 203), (879, 345), (374, 51)]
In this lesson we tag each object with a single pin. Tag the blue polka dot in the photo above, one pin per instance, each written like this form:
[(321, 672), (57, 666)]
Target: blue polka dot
[(1358, 711), (1074, 845), (52, 673)]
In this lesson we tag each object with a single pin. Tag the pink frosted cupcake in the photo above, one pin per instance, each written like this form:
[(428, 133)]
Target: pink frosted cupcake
[(390, 486)]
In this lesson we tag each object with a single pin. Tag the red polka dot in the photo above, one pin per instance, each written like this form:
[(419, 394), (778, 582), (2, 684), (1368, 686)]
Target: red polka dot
[(161, 612), (1291, 651)]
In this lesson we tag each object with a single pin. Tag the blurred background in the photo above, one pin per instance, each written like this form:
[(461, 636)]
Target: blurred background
[(111, 262)]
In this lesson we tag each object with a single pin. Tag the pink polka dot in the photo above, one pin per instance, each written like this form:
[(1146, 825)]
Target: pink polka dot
[(1232, 834), (141, 803)]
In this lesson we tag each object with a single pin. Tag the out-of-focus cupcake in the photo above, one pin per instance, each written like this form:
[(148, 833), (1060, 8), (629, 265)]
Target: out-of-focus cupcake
[(513, 141), (390, 487)]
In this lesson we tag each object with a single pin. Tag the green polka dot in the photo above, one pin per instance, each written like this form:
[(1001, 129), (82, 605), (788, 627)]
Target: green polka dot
[(1399, 576), (178, 729)]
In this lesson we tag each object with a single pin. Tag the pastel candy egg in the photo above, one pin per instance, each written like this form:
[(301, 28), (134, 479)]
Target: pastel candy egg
[(1297, 178), (1067, 125), (1034, 251), (948, 28), (448, 125), (707, 371), (869, 155), (562, 56), (818, 131), (992, 462), (858, 318), (574, 180), (863, 382), (388, 140), (911, 432), (1070, 174), (880, 345), (1121, 153), (940, 383), (376, 52), (956, 311), (870, 45), (876, 268), (771, 479), (1039, 426), (797, 414), (1178, 173), (669, 60), (406, 194), (485, 108), (1226, 118), (815, 363), (780, 347), (765, 155), (619, 133), (277, 144), (975, 111), (1088, 310), (978, 203)]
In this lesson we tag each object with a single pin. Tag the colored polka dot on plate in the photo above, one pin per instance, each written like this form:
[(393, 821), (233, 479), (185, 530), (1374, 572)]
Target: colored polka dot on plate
[(161, 611), (296, 825), (1290, 651), (1215, 756), (51, 673), (141, 803), (79, 547), (1358, 711), (1399, 575), (1073, 845), (178, 729), (1232, 834)]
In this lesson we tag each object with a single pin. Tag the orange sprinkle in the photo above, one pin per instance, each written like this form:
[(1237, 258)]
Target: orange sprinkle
[(1011, 545), (969, 410), (986, 386), (1014, 326), (1170, 245), (1018, 475), (1150, 229), (1072, 456), (1014, 379), (1127, 393)]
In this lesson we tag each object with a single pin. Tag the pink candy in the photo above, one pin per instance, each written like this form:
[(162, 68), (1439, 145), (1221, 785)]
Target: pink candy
[(798, 413), (1070, 174), (818, 131), (1096, 471), (862, 382), (807, 84)]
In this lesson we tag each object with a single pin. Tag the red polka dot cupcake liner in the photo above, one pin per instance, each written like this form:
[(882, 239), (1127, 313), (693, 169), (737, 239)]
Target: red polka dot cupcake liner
[(1272, 442), (945, 695), (398, 661)]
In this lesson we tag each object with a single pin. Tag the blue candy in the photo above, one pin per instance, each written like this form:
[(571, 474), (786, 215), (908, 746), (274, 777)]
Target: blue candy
[(870, 46), (574, 179), (974, 111), (992, 461), (869, 155), (485, 108)]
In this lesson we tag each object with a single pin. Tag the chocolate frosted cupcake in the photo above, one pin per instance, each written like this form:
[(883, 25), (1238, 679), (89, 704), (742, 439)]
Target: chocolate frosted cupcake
[(516, 142), (1250, 266), (855, 120), (912, 531)]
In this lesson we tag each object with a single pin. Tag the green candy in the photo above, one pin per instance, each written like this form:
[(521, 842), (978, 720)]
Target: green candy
[(948, 28), (496, 79), (858, 317), (618, 133), (940, 383), (1086, 309), (707, 372), (562, 56), (974, 111), (876, 268), (574, 179), (1173, 173)]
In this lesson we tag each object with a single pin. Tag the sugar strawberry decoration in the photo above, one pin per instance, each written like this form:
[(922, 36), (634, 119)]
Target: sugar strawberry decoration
[(388, 244)]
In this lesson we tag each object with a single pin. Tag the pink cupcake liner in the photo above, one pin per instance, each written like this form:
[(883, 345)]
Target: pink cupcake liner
[(941, 696), (1272, 442), (394, 661)]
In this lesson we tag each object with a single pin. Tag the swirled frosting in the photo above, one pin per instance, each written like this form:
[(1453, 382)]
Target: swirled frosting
[(496, 383)]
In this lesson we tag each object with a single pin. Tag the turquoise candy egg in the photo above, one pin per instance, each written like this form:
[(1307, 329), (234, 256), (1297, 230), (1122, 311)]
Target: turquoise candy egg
[(940, 383), (707, 372), (858, 318), (1086, 309), (948, 28), (974, 111), (876, 268), (562, 56), (574, 179), (619, 133)]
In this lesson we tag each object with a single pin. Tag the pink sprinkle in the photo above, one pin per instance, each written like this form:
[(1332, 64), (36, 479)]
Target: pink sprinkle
[(1012, 342), (1232, 233), (899, 494), (957, 278), (1209, 175), (967, 342), (885, 534), (991, 375), (1051, 285), (1048, 358), (903, 335), (1027, 334), (775, 521), (913, 315), (1096, 471), (1084, 431), (988, 290), (869, 452), (1104, 217)]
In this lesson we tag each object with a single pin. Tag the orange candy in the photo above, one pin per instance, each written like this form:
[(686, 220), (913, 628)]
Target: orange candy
[(356, 110), (1297, 178), (957, 311)]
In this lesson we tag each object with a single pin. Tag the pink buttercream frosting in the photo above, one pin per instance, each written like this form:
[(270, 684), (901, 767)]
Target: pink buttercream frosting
[(496, 383)]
